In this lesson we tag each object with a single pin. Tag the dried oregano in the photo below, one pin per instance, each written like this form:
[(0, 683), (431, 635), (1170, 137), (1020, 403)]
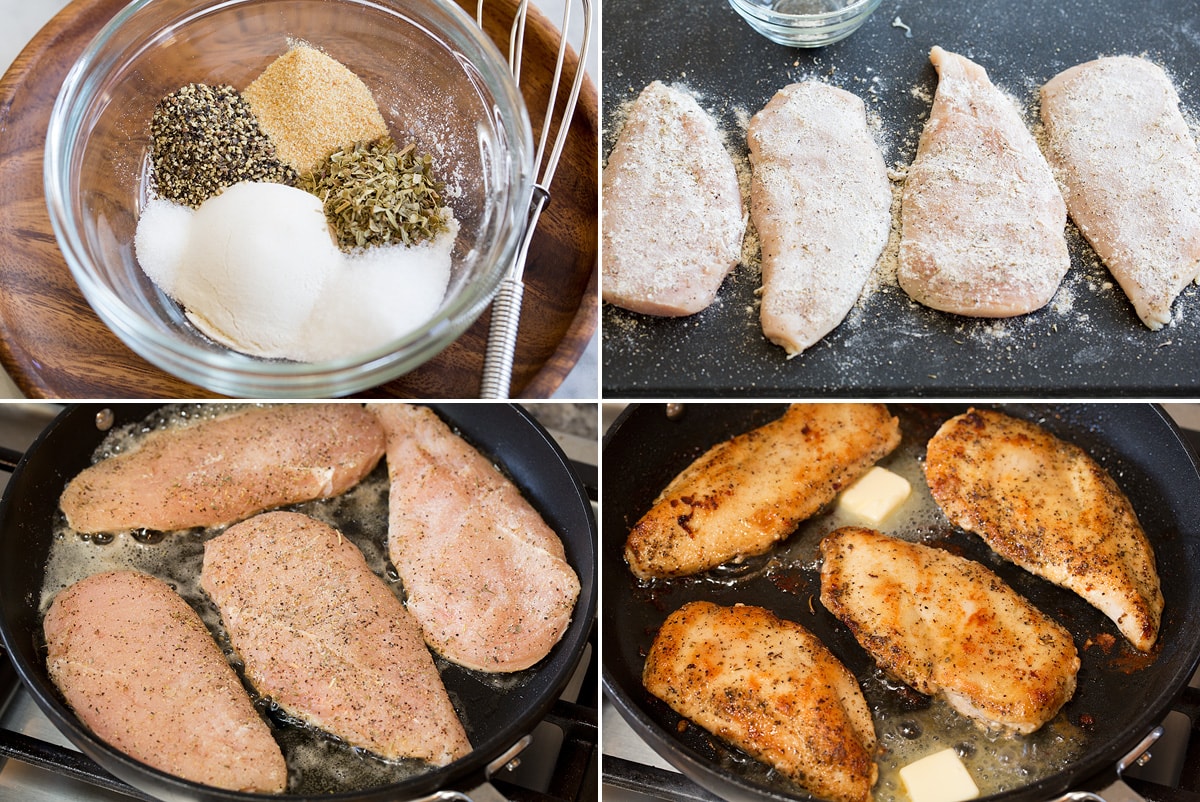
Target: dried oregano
[(204, 139), (376, 195)]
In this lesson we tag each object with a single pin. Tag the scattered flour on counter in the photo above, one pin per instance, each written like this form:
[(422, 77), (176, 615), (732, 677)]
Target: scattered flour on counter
[(255, 268)]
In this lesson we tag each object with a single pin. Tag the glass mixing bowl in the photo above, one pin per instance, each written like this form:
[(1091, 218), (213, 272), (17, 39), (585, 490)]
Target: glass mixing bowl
[(439, 82), (805, 23)]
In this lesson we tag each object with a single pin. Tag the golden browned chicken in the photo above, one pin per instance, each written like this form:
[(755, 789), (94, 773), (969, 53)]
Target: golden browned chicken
[(770, 687), (946, 625), (745, 494), (1047, 506)]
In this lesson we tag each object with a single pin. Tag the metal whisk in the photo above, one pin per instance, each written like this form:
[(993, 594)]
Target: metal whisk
[(506, 307)]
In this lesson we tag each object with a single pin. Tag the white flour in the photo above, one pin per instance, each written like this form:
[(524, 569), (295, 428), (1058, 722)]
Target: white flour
[(256, 269)]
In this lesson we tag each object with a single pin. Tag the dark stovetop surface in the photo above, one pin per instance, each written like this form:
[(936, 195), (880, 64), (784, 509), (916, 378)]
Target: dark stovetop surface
[(1087, 342)]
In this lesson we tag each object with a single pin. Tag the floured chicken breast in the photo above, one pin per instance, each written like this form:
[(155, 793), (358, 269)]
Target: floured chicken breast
[(1047, 506), (216, 471), (982, 218), (821, 201), (770, 687), (743, 495), (672, 221), (484, 574), (946, 625), (142, 672), (1131, 173), (323, 637)]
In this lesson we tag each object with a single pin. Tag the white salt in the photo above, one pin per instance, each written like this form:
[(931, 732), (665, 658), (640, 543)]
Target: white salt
[(256, 268)]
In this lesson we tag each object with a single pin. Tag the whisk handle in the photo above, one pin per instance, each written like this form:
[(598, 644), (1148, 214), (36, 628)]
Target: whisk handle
[(502, 340)]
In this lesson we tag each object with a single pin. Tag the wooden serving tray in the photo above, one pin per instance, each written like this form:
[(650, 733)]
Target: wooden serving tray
[(54, 346)]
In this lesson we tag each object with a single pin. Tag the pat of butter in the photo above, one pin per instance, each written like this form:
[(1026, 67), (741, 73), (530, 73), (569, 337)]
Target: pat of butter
[(875, 495), (940, 777)]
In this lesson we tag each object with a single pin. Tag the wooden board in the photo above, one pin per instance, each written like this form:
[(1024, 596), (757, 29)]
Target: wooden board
[(54, 346)]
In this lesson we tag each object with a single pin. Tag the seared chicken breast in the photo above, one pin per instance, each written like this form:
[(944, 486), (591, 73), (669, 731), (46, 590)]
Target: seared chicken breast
[(1050, 508), (770, 687), (745, 494), (946, 625)]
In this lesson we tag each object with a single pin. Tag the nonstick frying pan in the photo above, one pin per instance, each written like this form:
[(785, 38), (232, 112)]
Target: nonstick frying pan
[(1120, 696), (498, 715)]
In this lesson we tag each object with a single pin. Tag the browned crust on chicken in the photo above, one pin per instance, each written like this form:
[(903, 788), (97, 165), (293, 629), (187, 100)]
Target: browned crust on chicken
[(770, 687), (745, 494), (1050, 508), (947, 625)]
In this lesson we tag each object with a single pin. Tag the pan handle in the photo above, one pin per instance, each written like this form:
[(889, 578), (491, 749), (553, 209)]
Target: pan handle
[(9, 459), (485, 791), (1118, 790)]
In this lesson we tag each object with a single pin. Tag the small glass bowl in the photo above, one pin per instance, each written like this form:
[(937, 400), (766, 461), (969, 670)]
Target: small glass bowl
[(438, 80), (805, 23)]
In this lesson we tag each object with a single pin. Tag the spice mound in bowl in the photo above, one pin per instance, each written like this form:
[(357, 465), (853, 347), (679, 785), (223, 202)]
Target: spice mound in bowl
[(331, 241)]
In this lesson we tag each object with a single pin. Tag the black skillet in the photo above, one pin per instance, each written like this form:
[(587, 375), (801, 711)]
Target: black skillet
[(497, 717), (1120, 698), (1087, 344)]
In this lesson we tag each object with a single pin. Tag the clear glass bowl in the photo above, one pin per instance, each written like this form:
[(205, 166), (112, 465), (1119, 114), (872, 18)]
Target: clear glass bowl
[(438, 80), (805, 23)]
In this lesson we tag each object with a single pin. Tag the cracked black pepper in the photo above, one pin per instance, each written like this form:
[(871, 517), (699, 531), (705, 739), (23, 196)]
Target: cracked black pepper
[(204, 139)]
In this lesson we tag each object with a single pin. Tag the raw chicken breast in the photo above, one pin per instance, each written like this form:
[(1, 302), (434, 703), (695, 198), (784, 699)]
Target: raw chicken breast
[(142, 672), (327, 640), (1131, 173), (770, 687), (484, 575), (947, 625), (982, 219), (673, 220), (744, 495), (821, 201), (1050, 508), (218, 471)]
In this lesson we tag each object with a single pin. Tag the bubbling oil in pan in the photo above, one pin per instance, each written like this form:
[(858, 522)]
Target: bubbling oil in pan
[(318, 763), (908, 725)]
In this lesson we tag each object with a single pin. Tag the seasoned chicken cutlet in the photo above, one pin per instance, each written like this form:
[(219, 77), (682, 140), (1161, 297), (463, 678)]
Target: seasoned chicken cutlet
[(1131, 173), (771, 688), (143, 673), (982, 219), (946, 625), (821, 201), (1047, 506), (672, 222), (743, 495), (484, 575), (325, 638), (217, 471)]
